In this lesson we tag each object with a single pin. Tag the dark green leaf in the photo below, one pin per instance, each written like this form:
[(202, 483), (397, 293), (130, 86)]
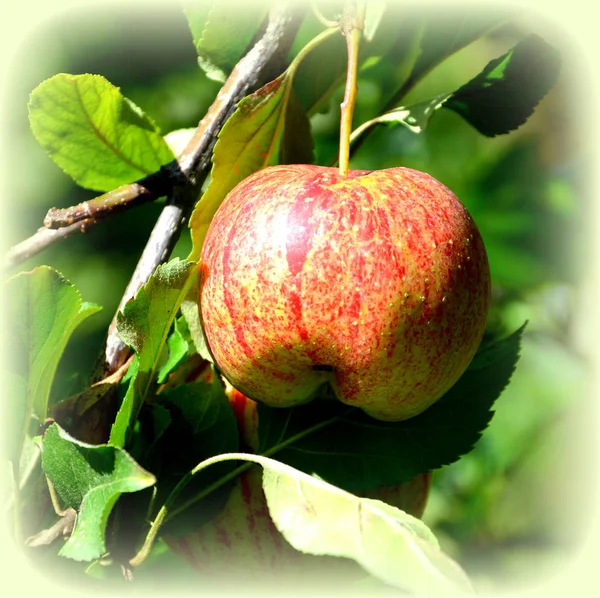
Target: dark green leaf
[(504, 95), (144, 325), (89, 414), (223, 35), (43, 310), (446, 32), (498, 100), (202, 425), (359, 453), (90, 480), (323, 71), (267, 128), (320, 74), (152, 423), (95, 134)]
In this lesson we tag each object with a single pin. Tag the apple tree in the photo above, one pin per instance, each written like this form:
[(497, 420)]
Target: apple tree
[(178, 449)]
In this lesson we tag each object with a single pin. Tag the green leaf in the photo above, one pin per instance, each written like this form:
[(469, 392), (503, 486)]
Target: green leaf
[(203, 425), (223, 36), (500, 99), (178, 139), (414, 117), (323, 71), (268, 128), (178, 349), (374, 15), (43, 310), (446, 32), (144, 325), (504, 95), (396, 548), (95, 134), (358, 453), (89, 479), (191, 314)]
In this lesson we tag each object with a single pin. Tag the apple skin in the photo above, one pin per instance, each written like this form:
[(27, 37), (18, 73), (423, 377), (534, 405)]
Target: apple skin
[(377, 283)]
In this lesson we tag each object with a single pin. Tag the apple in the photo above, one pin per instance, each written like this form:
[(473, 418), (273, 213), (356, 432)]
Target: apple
[(376, 283)]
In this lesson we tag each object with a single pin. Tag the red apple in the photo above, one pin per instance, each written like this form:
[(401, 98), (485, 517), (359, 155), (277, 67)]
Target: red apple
[(376, 282)]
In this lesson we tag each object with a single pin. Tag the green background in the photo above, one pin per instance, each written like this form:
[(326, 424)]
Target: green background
[(512, 509)]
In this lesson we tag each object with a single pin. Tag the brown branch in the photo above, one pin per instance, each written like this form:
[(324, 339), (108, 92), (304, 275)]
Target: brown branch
[(117, 200), (43, 238), (263, 62)]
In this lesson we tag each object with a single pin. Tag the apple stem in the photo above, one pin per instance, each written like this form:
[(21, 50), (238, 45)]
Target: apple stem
[(352, 24)]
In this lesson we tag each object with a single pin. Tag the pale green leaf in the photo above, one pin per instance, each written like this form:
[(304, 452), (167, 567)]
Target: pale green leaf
[(318, 518)]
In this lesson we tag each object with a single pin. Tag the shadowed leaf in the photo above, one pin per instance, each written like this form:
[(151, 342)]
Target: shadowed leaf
[(504, 95), (43, 310), (359, 453)]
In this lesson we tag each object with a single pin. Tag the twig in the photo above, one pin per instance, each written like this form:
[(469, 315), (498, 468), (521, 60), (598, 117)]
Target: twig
[(259, 65), (43, 238), (125, 196)]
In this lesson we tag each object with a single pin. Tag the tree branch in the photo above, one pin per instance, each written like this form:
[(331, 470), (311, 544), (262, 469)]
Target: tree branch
[(262, 63), (43, 238), (117, 200)]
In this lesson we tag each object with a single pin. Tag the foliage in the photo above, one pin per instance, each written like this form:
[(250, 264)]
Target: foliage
[(171, 412)]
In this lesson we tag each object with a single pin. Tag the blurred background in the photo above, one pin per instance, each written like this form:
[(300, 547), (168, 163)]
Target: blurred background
[(514, 509)]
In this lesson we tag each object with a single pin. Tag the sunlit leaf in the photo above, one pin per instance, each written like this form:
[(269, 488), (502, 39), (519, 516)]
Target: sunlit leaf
[(177, 348), (414, 117), (144, 325), (89, 479), (177, 140), (95, 134)]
